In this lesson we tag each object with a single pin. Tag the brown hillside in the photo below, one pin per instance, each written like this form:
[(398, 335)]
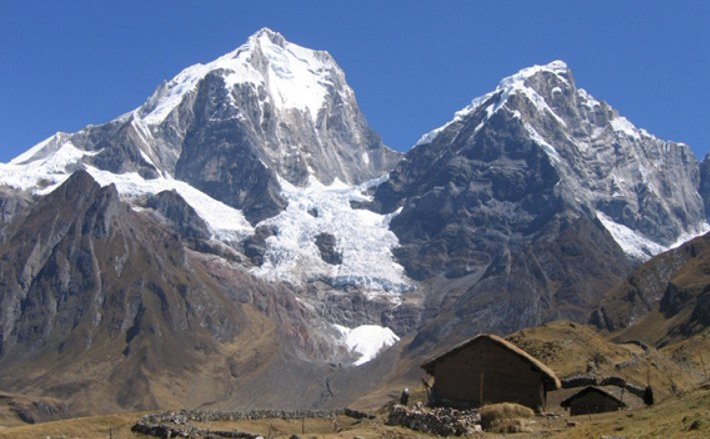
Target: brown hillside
[(573, 349), (106, 310), (665, 301)]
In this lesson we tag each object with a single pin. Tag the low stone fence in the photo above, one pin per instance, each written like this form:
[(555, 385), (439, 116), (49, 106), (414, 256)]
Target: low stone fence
[(187, 431), (176, 424), (441, 421), (590, 380)]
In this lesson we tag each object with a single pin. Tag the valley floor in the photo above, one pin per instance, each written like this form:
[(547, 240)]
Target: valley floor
[(686, 416)]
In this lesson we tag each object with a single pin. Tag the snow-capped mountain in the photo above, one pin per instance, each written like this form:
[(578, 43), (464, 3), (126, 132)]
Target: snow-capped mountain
[(227, 193), (537, 147), (246, 217), (230, 128), (242, 139), (534, 201)]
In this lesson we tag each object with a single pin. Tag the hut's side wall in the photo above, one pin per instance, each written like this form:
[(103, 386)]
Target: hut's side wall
[(592, 402), (505, 376)]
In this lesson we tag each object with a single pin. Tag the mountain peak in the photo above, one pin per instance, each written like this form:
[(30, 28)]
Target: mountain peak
[(526, 82), (557, 66), (295, 76), (268, 36), (522, 78)]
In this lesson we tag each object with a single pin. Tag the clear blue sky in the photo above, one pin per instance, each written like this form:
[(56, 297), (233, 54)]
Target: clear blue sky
[(412, 64)]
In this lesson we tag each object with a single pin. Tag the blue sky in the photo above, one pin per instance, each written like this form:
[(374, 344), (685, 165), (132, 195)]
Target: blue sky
[(412, 64)]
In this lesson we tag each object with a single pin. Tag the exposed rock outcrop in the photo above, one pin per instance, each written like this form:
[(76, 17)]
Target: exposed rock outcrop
[(704, 187), (326, 244), (13, 205), (180, 215)]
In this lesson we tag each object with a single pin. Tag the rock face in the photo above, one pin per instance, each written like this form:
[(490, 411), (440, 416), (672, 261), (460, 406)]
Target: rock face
[(326, 245), (81, 207), (255, 245), (704, 188), (547, 280), (32, 410), (13, 205), (180, 215)]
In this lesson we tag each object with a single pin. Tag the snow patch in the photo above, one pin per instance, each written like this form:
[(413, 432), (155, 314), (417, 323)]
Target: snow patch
[(638, 246), (586, 99), (366, 341), (46, 147), (692, 234), (537, 138), (45, 171), (226, 223), (170, 94), (458, 116), (621, 124), (632, 243)]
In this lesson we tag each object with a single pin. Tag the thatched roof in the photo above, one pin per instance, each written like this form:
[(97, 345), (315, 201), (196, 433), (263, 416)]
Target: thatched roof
[(589, 389), (549, 377)]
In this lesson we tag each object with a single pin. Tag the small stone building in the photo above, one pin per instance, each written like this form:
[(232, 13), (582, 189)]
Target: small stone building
[(489, 369), (592, 400)]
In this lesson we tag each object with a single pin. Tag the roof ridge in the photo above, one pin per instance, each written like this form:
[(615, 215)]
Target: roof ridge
[(588, 389)]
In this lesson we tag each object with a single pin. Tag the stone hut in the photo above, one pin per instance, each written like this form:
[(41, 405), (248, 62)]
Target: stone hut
[(489, 369), (592, 400)]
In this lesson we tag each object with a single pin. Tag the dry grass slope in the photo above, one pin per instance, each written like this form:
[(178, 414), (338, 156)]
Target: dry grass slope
[(574, 349)]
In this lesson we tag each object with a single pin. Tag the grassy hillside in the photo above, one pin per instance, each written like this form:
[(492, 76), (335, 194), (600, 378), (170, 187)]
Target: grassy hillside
[(574, 349)]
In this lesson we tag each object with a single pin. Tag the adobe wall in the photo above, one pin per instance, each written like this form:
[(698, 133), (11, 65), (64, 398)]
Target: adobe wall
[(506, 377), (592, 402)]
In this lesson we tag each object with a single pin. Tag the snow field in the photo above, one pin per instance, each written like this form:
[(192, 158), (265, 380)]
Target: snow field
[(366, 341), (363, 238)]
